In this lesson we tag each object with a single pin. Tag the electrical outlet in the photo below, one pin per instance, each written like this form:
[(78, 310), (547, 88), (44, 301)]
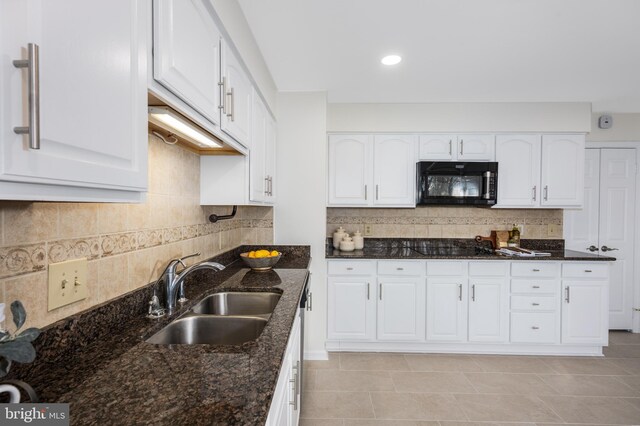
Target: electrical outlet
[(367, 230), (67, 282), (520, 228)]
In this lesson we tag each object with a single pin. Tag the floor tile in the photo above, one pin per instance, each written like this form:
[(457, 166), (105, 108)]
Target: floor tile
[(428, 362), (332, 364), (485, 424), (309, 379), (633, 401), (512, 364), (336, 405), (509, 383), (388, 423), (630, 365), (373, 361), (506, 408), (632, 381), (622, 351), (624, 338), (339, 380), (583, 385), (589, 409), (442, 382), (416, 406), (321, 422), (574, 365)]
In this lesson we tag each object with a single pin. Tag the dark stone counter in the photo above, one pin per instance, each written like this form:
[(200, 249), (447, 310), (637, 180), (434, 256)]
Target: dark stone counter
[(460, 249), (99, 362)]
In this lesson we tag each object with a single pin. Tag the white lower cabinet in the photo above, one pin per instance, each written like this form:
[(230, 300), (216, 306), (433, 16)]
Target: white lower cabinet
[(446, 309), (401, 309), (468, 306), (285, 404)]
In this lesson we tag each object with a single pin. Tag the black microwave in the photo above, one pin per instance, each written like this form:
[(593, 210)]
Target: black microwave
[(457, 183)]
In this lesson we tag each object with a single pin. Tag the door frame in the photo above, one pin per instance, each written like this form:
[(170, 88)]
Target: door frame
[(636, 262)]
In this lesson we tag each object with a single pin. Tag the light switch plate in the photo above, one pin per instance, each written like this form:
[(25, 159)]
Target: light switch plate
[(67, 282)]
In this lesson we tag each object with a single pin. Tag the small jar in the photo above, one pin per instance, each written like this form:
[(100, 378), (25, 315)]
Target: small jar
[(347, 244), (338, 236), (358, 240)]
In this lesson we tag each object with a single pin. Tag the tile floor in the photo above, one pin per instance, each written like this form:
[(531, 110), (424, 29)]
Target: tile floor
[(369, 389)]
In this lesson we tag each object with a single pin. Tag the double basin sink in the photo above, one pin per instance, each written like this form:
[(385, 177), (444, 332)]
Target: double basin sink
[(227, 318)]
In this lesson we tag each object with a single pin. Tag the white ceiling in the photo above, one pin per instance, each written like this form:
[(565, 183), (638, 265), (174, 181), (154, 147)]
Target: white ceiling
[(454, 50)]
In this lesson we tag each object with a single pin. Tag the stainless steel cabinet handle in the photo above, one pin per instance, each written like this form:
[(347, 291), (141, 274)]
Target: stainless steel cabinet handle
[(536, 286), (295, 384), (535, 328), (606, 249), (400, 269), (349, 269), (473, 293), (310, 301), (534, 192), (368, 293), (266, 186), (546, 192), (32, 64), (365, 192), (588, 271), (592, 248), (461, 146), (536, 270), (535, 304), (380, 291), (460, 292), (233, 105), (567, 297), (223, 95), (450, 147), (377, 191), (295, 397)]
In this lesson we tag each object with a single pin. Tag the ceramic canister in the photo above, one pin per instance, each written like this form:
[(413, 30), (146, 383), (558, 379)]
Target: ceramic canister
[(338, 236)]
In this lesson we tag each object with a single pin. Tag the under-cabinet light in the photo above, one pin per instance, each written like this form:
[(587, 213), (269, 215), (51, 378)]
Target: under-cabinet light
[(172, 122)]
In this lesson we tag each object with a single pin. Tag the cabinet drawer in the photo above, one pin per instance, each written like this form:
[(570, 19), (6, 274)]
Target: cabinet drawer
[(534, 303), (412, 268), (445, 268), (488, 269), (534, 327), (535, 269), (585, 270), (535, 286), (351, 267)]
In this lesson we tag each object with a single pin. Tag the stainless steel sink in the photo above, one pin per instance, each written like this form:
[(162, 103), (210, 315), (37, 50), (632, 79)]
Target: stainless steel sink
[(237, 303), (212, 330)]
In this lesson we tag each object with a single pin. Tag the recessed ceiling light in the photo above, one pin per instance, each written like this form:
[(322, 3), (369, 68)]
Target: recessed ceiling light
[(391, 60)]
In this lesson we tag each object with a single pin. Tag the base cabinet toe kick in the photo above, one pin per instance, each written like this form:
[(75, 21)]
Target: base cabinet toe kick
[(460, 306)]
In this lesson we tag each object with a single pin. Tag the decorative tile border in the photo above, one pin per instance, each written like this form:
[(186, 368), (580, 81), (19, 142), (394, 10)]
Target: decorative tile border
[(402, 220), (25, 259)]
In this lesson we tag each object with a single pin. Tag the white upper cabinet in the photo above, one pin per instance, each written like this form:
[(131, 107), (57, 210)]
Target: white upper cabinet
[(92, 106), (540, 171), (350, 169), (237, 98), (270, 159), (451, 147), (262, 158), (186, 57), (371, 171), (394, 170), (518, 159), (562, 170)]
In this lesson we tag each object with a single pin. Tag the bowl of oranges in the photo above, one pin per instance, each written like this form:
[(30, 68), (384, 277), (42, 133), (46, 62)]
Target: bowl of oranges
[(261, 260)]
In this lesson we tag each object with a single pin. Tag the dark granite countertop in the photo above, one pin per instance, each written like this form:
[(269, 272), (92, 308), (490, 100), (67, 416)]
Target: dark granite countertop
[(460, 249), (111, 376)]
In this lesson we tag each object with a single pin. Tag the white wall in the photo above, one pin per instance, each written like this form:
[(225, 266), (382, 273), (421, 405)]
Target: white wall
[(238, 30), (460, 117), (300, 211), (626, 127)]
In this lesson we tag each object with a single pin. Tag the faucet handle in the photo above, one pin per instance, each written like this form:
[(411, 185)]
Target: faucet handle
[(187, 257)]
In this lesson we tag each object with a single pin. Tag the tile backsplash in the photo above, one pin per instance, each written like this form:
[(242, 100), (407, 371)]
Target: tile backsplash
[(445, 222), (127, 245)]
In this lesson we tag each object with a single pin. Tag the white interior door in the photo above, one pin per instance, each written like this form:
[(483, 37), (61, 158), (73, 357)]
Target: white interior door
[(608, 219), (617, 223)]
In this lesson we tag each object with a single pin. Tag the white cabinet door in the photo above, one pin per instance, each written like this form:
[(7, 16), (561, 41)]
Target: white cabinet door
[(438, 147), (285, 404), (270, 159), (350, 170), (394, 170), (257, 151), (585, 309), (518, 159), (186, 54), (562, 178), (352, 308), (93, 95), (476, 148), (401, 309), (447, 309), (236, 114), (488, 310)]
